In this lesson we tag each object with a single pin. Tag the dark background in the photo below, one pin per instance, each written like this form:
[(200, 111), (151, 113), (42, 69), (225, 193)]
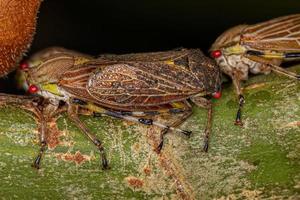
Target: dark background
[(124, 26), (128, 26)]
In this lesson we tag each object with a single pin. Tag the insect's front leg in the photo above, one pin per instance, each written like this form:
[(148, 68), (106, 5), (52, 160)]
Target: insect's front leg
[(205, 103), (73, 115), (42, 127), (241, 99), (44, 112), (18, 100), (37, 106)]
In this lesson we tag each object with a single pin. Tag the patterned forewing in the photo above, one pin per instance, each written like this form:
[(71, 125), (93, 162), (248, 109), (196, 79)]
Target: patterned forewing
[(75, 80), (280, 34), (139, 84)]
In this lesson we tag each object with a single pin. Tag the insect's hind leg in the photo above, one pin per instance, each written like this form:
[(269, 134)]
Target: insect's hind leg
[(280, 70), (72, 113), (186, 114), (182, 107), (275, 64), (175, 124)]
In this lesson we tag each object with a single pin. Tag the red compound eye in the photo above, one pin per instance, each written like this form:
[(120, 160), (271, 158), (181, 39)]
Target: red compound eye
[(24, 65), (216, 54), (33, 89), (217, 95)]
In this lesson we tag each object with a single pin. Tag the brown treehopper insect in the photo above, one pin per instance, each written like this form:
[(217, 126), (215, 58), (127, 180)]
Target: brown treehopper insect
[(133, 87), (258, 48)]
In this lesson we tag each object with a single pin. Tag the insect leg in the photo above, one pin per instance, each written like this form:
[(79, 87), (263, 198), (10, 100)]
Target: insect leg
[(237, 85), (205, 103), (34, 105), (126, 116), (44, 111), (18, 100), (43, 143), (274, 65), (144, 121), (98, 111), (186, 114), (285, 72), (72, 113)]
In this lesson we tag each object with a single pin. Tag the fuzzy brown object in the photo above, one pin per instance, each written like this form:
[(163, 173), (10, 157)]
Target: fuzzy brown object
[(17, 27)]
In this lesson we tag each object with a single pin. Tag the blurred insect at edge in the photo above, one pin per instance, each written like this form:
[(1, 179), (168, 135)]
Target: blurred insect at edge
[(259, 48)]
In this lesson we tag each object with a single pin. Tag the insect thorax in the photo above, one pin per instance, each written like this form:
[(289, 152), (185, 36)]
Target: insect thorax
[(58, 95), (239, 66)]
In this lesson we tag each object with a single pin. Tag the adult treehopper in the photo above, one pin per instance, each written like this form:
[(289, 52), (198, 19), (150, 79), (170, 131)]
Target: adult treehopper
[(133, 87), (259, 48)]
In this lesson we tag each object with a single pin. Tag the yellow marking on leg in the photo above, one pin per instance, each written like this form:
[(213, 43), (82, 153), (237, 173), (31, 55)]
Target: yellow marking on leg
[(178, 105), (170, 62), (94, 108), (273, 55)]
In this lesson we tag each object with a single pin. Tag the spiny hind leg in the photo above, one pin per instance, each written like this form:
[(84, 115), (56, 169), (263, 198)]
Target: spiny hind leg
[(186, 113), (274, 65), (140, 117), (183, 108), (205, 103), (180, 107), (72, 113), (282, 71)]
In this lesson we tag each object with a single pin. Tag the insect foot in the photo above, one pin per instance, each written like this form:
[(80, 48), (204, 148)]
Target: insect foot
[(37, 161), (187, 133), (238, 120), (102, 154), (205, 146)]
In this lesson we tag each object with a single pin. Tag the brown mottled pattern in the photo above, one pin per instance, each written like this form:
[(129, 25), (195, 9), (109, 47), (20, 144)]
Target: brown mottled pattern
[(17, 27), (77, 77), (131, 84), (143, 84), (281, 34)]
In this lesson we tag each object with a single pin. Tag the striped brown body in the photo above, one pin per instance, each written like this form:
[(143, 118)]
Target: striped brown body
[(254, 48), (259, 48)]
